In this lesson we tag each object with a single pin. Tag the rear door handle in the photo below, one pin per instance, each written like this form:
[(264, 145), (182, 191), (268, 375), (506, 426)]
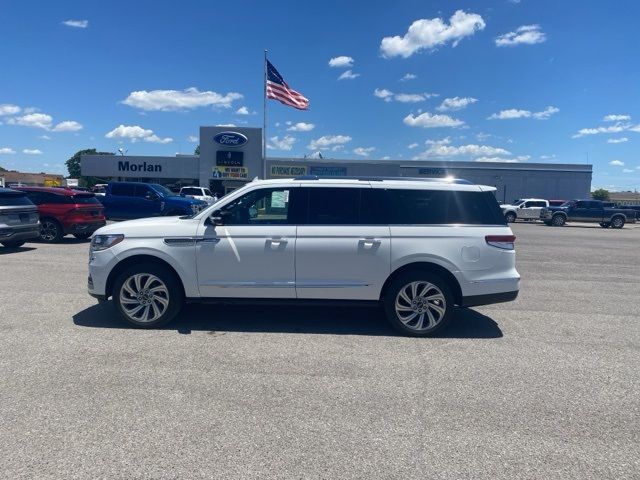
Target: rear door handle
[(277, 241), (369, 242)]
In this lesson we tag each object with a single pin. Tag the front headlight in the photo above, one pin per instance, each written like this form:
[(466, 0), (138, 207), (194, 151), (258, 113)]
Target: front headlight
[(102, 242)]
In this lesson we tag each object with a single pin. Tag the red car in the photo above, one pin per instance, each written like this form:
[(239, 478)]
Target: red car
[(64, 211)]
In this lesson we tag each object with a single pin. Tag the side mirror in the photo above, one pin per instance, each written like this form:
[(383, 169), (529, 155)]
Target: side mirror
[(218, 217)]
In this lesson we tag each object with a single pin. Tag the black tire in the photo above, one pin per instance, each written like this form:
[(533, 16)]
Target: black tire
[(404, 281), (174, 295), (617, 222), (510, 217), (13, 244), (605, 224), (83, 236), (50, 231), (558, 220)]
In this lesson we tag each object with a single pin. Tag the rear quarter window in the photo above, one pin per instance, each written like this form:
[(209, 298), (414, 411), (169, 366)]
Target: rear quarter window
[(14, 200)]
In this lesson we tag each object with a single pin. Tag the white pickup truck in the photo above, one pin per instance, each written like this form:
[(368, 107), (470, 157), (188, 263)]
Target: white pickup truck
[(199, 193), (524, 209)]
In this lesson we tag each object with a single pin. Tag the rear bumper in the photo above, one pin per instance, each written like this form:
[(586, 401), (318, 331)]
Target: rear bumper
[(489, 298), (88, 227), (12, 234)]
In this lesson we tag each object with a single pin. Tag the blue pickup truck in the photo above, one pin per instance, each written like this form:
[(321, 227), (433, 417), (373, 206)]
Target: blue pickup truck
[(591, 211), (127, 200)]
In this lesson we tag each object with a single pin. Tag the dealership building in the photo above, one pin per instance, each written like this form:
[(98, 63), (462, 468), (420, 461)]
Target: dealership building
[(232, 156)]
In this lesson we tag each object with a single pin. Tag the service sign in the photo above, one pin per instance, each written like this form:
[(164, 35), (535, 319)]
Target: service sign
[(230, 139), (287, 171), (237, 173)]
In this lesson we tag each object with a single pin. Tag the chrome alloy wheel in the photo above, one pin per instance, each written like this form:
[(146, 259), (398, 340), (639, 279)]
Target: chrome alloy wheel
[(48, 231), (144, 297), (420, 305)]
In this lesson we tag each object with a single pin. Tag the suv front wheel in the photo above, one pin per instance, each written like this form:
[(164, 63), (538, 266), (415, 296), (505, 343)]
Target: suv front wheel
[(148, 295), (418, 304)]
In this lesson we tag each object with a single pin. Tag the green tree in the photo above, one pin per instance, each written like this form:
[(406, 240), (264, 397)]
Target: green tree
[(73, 165), (197, 150), (600, 194)]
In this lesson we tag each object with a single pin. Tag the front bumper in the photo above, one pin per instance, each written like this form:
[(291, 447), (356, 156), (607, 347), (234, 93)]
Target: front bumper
[(12, 234), (88, 227)]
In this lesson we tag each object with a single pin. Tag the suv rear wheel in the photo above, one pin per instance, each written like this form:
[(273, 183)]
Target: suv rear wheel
[(558, 220), (418, 303), (617, 222), (148, 295), (50, 231)]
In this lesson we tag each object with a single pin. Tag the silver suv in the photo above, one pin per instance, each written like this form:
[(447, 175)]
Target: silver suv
[(19, 219)]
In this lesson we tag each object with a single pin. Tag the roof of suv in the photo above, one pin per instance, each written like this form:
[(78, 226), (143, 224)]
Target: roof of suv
[(58, 191), (405, 182)]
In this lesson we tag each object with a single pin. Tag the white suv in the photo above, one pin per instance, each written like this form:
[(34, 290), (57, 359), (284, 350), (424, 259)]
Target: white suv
[(416, 247)]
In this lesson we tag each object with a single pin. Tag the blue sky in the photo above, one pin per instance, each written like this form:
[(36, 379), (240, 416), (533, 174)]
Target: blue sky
[(527, 81)]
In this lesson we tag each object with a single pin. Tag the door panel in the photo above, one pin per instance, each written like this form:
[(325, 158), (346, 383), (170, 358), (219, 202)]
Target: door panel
[(342, 262), (246, 261)]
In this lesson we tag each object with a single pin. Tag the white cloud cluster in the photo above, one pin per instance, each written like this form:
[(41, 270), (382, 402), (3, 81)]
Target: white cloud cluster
[(616, 163), (430, 33), (408, 76), (618, 140), (363, 151), (348, 75), (32, 151), (513, 113), (76, 23), (326, 142), (243, 111), (428, 120), (136, 133), (341, 62), (616, 118), (171, 100), (301, 127), (9, 109), (45, 122), (7, 151), (479, 153), (388, 96), (526, 34), (285, 143), (455, 103)]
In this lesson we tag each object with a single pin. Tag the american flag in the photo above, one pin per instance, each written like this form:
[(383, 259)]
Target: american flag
[(278, 89)]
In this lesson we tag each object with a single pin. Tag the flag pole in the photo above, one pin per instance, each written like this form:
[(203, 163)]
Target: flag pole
[(264, 121)]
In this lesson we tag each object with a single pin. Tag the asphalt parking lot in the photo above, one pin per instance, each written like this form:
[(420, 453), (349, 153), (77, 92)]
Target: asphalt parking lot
[(543, 387)]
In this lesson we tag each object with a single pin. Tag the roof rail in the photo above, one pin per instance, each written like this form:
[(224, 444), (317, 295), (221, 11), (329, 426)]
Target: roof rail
[(460, 181)]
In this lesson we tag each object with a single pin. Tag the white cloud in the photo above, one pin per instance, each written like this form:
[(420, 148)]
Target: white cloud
[(32, 151), (471, 150), (546, 113), (9, 109), (618, 140), (328, 141), (408, 76), (547, 157), (383, 93), (627, 170), (513, 113), (386, 157), (135, 133), (521, 158), (363, 151), (301, 127), (68, 126), (76, 23), (7, 151), (617, 128), (412, 146), (168, 100), (35, 120), (427, 120), (616, 163), (388, 96), (193, 139), (456, 103), (243, 111), (616, 118), (341, 62), (430, 33), (348, 75), (286, 143), (45, 137), (526, 34)]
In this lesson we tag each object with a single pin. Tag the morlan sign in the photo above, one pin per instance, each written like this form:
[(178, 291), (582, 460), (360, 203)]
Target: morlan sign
[(126, 166)]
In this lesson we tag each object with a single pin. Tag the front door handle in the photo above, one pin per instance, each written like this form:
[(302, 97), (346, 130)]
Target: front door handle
[(209, 240), (277, 241), (369, 242)]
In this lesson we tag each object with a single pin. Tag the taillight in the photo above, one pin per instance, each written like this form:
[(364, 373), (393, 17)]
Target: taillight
[(506, 242)]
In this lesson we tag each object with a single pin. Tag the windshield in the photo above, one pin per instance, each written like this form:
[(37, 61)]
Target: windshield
[(517, 203), (162, 190)]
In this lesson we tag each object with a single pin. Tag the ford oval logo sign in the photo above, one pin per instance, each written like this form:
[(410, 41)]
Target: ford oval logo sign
[(230, 139)]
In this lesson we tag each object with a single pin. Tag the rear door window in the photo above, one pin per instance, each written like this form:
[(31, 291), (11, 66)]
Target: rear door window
[(333, 206), (123, 190)]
